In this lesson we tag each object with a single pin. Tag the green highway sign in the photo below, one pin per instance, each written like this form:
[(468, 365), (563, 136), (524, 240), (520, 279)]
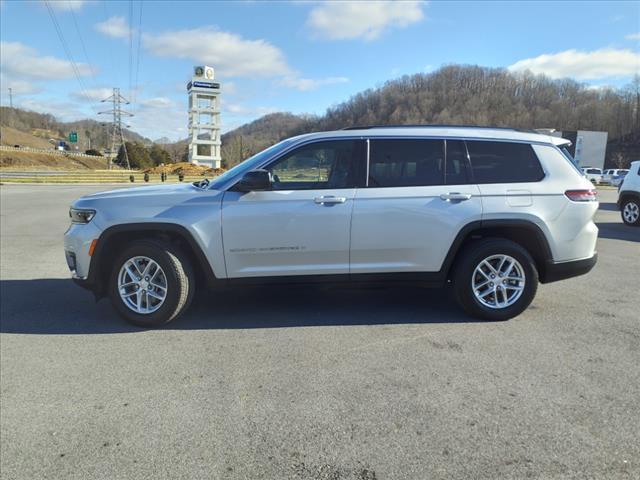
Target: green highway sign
[(73, 137)]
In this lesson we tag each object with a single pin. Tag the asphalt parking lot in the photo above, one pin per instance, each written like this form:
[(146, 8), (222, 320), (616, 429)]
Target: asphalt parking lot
[(317, 383)]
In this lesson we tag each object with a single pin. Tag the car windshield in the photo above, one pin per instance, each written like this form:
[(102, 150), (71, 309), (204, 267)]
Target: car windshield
[(622, 173), (249, 164)]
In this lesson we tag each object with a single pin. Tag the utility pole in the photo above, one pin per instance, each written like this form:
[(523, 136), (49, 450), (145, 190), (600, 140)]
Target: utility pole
[(117, 137), (10, 97)]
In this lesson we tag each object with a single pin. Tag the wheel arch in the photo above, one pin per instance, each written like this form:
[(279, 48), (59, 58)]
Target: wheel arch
[(107, 249), (523, 232), (627, 194)]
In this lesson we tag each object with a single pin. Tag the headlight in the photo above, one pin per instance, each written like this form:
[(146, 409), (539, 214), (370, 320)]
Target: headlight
[(79, 215)]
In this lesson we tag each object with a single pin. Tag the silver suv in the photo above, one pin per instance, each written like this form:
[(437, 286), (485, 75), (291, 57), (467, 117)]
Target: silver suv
[(490, 211)]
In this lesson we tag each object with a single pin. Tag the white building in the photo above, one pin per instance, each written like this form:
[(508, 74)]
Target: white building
[(204, 118), (588, 148)]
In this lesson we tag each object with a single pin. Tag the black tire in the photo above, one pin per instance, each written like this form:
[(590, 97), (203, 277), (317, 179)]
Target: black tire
[(471, 256), (180, 283), (634, 204)]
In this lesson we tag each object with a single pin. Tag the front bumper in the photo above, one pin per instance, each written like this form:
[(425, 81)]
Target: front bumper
[(77, 242), (560, 271)]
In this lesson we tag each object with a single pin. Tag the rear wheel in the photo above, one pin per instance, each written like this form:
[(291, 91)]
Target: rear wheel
[(630, 212), (151, 284), (496, 279)]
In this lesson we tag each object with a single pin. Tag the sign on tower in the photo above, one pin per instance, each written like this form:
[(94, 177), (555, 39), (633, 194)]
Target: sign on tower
[(204, 118)]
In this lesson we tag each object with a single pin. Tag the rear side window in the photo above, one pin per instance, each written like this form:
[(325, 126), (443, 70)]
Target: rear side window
[(406, 162), (503, 162)]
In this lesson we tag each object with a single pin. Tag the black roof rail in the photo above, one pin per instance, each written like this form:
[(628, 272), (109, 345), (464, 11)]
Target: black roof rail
[(370, 127)]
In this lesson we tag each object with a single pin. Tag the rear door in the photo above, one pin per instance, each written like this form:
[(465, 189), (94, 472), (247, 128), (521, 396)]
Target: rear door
[(301, 226), (418, 197), (514, 184)]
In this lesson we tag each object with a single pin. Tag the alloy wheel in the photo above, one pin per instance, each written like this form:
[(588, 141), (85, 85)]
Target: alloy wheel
[(631, 212), (498, 281), (142, 285)]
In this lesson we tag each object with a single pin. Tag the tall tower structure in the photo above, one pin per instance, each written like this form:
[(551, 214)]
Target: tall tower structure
[(117, 137), (204, 118)]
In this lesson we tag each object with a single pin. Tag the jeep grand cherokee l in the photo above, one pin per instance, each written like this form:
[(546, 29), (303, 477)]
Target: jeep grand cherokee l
[(490, 211)]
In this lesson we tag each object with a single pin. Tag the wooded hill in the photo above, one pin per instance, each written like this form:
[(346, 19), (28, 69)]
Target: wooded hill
[(46, 126), (464, 95)]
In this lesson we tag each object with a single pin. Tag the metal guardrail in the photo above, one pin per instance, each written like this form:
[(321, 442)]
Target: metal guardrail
[(9, 148)]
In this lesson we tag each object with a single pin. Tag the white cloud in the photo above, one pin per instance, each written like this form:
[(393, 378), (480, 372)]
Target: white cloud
[(17, 86), (239, 109), (633, 36), (116, 27), (232, 56), (20, 61), (159, 117), (600, 88), (63, 110), (159, 102), (602, 63), (306, 84), (228, 52), (67, 4), (359, 19), (94, 94)]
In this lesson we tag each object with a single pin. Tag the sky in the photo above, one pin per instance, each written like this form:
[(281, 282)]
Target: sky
[(64, 56)]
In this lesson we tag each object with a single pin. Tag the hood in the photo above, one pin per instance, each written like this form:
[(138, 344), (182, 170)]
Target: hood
[(172, 203), (166, 189)]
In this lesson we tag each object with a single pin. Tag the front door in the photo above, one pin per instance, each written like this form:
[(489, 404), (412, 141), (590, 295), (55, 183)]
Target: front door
[(302, 225), (418, 197)]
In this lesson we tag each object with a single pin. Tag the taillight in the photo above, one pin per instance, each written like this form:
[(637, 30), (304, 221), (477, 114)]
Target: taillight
[(582, 195)]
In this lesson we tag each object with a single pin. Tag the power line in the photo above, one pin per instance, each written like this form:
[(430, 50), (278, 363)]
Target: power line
[(130, 45), (138, 52), (65, 47), (82, 44), (111, 56)]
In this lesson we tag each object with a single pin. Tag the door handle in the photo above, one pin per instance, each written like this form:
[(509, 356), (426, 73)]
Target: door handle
[(329, 200), (455, 196)]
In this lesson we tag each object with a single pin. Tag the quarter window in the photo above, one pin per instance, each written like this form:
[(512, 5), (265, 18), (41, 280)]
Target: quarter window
[(504, 162), (406, 162), (321, 165)]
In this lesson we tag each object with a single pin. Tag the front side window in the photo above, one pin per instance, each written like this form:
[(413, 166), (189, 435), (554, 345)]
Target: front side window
[(321, 165), (406, 162), (504, 162)]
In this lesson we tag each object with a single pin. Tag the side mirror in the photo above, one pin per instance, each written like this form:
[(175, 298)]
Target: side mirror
[(254, 181)]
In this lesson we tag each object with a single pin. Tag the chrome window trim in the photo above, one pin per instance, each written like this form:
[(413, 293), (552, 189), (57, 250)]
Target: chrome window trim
[(368, 138), (366, 181)]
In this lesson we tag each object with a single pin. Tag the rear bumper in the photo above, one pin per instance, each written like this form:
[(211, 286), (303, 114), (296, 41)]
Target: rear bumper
[(560, 271)]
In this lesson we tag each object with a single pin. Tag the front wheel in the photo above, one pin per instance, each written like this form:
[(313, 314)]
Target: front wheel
[(496, 279), (151, 284), (631, 212)]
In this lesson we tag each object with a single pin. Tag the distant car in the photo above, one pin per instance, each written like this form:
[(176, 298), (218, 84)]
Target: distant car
[(608, 174), (617, 180), (16, 146), (594, 175), (629, 196)]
